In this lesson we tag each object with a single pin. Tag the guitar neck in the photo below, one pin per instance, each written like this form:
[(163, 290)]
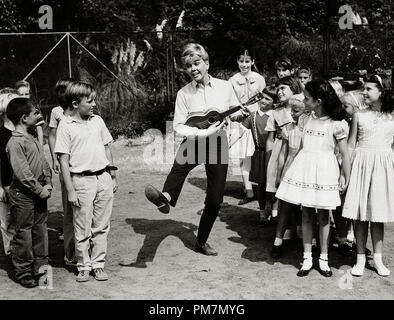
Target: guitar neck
[(231, 111), (252, 100)]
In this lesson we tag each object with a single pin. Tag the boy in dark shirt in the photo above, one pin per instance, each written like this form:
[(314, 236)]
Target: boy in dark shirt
[(30, 188), (5, 172)]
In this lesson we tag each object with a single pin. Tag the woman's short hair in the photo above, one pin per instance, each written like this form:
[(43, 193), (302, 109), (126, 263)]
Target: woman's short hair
[(193, 50)]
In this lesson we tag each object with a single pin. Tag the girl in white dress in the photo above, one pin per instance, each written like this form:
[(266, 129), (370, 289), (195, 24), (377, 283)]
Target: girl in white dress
[(313, 179), (246, 84), (369, 199)]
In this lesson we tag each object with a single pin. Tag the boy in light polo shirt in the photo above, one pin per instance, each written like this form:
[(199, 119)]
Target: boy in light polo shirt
[(58, 114), (82, 143)]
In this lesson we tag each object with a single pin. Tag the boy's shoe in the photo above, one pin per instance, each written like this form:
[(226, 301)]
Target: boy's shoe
[(346, 249), (100, 274), (264, 218), (28, 282), (83, 276), (70, 263), (276, 252), (206, 249)]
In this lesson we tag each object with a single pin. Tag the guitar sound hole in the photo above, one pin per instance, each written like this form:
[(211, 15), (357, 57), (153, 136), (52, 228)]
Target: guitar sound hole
[(211, 120)]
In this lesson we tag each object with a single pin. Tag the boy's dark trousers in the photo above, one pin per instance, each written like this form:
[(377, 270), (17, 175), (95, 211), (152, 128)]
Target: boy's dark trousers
[(213, 152), (30, 243)]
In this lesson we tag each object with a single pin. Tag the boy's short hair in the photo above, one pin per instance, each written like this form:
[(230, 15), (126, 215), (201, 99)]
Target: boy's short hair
[(292, 82), (304, 70), (76, 90), (271, 92), (60, 90), (285, 63), (17, 108), (22, 83), (192, 50)]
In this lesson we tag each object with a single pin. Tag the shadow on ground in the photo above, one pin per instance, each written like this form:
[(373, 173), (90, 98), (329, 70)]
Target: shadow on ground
[(155, 232), (258, 240), (233, 188)]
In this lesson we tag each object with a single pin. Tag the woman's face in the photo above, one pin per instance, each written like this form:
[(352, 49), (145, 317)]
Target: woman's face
[(371, 92), (245, 64), (309, 101), (284, 92)]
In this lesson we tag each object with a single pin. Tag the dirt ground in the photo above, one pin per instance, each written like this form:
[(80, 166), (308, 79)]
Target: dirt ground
[(159, 252)]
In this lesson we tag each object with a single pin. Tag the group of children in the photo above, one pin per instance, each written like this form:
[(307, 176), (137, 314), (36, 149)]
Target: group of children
[(311, 148), (79, 144), (320, 152)]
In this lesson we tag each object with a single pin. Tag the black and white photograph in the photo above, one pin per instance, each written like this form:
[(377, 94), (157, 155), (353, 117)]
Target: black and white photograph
[(196, 151)]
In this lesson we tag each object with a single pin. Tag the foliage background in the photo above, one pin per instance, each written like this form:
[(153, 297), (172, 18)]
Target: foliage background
[(269, 28)]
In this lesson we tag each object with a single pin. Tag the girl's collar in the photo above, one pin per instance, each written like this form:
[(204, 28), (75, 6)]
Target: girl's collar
[(241, 79), (320, 118)]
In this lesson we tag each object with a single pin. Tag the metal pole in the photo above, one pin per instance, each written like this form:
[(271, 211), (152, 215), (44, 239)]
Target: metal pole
[(172, 67), (69, 55), (168, 71), (50, 51)]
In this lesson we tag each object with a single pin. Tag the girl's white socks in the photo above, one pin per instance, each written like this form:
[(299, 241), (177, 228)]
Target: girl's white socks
[(379, 266), (358, 268), (323, 262), (308, 262)]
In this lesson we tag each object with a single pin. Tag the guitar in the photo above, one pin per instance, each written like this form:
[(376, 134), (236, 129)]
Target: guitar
[(207, 119)]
